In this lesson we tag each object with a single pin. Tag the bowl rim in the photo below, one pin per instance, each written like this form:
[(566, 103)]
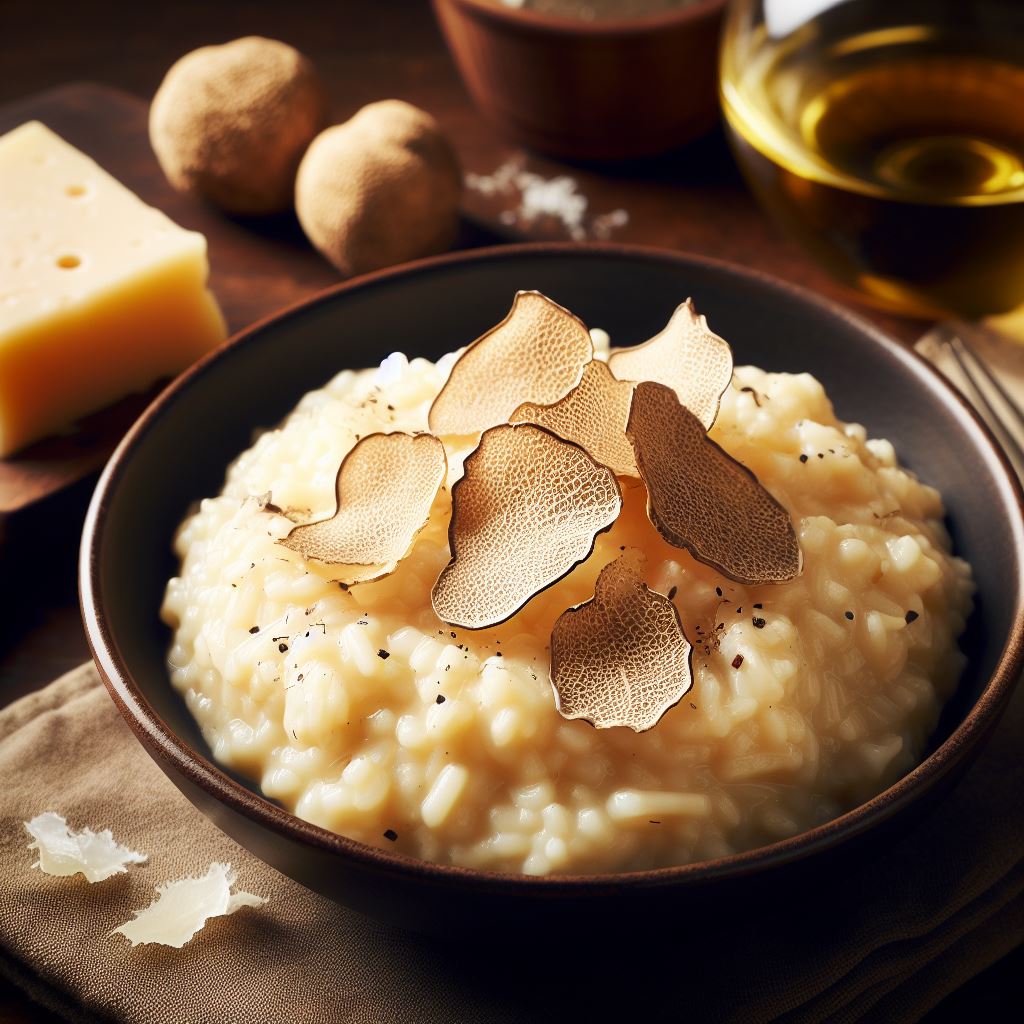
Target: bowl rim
[(185, 761), (545, 23)]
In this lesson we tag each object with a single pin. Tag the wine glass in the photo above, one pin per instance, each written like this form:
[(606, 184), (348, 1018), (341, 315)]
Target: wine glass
[(887, 136)]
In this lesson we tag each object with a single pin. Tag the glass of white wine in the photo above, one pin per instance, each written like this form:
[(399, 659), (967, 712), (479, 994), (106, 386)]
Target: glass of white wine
[(887, 136)]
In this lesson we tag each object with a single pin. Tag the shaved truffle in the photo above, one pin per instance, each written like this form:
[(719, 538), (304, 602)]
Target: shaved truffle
[(702, 499), (526, 512), (385, 488), (686, 356), (622, 658), (593, 415), (536, 354)]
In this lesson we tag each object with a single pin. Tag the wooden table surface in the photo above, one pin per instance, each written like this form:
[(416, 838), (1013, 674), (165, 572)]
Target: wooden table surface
[(365, 50)]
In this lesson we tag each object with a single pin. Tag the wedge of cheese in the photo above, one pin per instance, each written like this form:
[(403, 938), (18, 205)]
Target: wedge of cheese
[(100, 294)]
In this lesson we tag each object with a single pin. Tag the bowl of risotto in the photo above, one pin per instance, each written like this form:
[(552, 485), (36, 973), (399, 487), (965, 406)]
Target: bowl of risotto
[(543, 581)]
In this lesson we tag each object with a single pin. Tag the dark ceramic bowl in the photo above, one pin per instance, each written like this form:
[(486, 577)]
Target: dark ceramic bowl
[(178, 451), (607, 89)]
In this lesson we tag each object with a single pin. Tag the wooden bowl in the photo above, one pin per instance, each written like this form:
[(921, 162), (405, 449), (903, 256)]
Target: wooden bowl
[(589, 90), (179, 450)]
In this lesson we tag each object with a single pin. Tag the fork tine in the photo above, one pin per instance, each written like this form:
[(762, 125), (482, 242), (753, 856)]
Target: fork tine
[(967, 350), (1011, 435)]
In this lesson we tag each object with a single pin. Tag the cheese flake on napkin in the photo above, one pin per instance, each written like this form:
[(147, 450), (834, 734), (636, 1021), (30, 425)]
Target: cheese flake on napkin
[(183, 907), (64, 852)]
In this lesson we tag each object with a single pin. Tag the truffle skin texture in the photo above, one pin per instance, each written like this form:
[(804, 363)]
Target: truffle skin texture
[(382, 188), (230, 123)]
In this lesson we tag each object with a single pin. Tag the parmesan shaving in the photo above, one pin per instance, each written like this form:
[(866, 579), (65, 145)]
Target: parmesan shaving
[(63, 852), (182, 908)]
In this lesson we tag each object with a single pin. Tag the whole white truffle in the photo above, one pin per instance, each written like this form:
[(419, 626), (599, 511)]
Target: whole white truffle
[(230, 123), (382, 188)]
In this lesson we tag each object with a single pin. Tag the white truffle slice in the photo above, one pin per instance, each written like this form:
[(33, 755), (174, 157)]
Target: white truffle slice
[(593, 415), (182, 908), (63, 852), (536, 354), (621, 658), (385, 487), (526, 512), (687, 356), (701, 499)]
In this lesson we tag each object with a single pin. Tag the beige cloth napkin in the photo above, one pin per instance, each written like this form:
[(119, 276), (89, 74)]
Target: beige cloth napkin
[(906, 929)]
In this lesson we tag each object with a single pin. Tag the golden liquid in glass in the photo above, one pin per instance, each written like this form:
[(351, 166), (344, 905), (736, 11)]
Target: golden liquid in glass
[(895, 156)]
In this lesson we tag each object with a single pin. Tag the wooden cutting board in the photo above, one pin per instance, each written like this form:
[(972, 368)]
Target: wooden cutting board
[(256, 267)]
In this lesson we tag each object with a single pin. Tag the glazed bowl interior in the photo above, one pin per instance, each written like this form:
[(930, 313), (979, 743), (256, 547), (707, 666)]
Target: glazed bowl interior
[(180, 449)]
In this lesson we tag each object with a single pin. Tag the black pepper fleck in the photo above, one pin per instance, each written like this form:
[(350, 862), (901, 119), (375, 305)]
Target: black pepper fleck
[(718, 591), (758, 605), (803, 458), (672, 592), (737, 661), (758, 622), (910, 616), (849, 615), (282, 648), (383, 655), (440, 698), (254, 629), (390, 835)]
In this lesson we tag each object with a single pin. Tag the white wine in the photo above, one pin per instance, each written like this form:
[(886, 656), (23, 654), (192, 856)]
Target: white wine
[(895, 155)]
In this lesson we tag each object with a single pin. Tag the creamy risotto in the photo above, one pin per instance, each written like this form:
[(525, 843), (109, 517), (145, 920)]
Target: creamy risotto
[(360, 710)]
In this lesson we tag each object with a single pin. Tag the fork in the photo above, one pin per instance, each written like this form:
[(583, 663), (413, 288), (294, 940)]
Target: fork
[(962, 364)]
